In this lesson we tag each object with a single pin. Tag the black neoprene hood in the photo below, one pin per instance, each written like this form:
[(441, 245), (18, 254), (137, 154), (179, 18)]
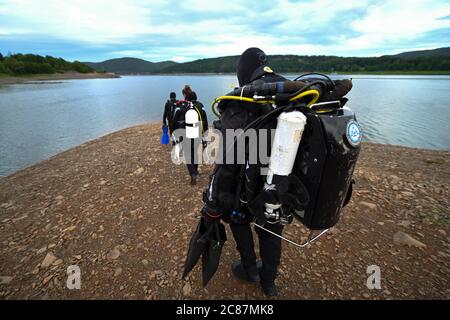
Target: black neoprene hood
[(251, 65)]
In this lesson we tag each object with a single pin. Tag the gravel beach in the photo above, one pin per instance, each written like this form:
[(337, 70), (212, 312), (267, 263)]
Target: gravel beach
[(118, 208)]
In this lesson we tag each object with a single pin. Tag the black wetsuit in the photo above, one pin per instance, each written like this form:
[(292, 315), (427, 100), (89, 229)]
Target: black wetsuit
[(220, 197), (168, 113)]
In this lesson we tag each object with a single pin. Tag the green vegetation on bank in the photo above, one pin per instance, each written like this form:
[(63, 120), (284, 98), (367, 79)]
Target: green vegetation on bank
[(401, 73), (28, 64), (435, 61), (329, 64)]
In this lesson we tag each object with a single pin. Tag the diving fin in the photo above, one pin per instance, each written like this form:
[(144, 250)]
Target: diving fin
[(213, 251), (197, 246)]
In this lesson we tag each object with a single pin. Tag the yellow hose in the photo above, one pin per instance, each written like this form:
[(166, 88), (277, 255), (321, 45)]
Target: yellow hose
[(315, 93), (201, 120)]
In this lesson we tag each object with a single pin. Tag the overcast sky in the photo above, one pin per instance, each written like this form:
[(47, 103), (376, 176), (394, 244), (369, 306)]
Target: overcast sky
[(96, 30)]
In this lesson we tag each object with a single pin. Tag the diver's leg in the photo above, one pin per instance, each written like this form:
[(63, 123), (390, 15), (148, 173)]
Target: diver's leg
[(270, 251), (194, 156), (243, 237), (190, 160), (193, 161), (191, 169), (170, 128)]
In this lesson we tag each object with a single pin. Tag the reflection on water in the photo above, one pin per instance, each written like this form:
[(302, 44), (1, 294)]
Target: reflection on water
[(40, 120)]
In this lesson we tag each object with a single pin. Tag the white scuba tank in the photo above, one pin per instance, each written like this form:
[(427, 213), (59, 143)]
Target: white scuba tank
[(192, 124), (285, 145)]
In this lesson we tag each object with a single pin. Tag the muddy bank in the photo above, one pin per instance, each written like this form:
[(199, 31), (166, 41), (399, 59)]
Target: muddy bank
[(120, 210), (53, 77)]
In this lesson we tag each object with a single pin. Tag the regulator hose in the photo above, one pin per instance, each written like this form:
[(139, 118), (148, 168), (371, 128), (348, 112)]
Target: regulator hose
[(296, 96)]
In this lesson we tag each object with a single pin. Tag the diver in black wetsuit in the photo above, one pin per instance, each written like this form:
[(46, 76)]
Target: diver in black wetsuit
[(168, 111), (308, 176), (192, 165), (220, 194), (190, 146)]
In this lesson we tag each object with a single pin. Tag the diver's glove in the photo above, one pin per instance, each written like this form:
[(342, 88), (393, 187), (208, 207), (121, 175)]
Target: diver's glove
[(292, 193)]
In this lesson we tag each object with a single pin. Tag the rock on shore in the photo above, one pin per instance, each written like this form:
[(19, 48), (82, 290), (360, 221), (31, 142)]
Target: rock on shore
[(121, 211)]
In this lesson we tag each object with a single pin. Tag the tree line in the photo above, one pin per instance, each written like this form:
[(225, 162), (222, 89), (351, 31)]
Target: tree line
[(330, 64), (26, 64)]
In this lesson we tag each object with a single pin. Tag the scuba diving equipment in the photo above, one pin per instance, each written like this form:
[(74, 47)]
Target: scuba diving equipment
[(213, 251), (271, 200), (313, 94), (283, 92), (252, 65), (178, 114), (206, 242), (271, 89), (176, 150), (287, 138), (325, 163), (197, 246), (240, 217), (186, 116), (192, 122), (328, 148), (313, 236), (165, 139)]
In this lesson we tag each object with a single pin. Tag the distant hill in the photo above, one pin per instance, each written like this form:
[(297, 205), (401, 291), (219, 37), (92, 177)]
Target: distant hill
[(130, 66), (437, 60), (440, 52)]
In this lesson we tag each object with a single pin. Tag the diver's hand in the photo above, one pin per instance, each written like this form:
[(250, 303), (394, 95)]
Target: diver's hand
[(292, 192), (289, 191), (210, 215)]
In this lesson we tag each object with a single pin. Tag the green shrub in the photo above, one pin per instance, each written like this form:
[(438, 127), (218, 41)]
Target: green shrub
[(21, 64), (3, 69)]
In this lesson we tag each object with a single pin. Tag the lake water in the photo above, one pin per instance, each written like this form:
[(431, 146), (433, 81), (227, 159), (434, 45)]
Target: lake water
[(41, 120)]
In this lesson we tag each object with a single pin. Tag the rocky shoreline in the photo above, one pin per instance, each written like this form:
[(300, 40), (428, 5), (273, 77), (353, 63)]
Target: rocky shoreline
[(118, 208), (54, 77)]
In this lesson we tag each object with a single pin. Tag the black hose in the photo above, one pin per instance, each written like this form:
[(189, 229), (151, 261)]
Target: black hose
[(317, 74), (256, 122)]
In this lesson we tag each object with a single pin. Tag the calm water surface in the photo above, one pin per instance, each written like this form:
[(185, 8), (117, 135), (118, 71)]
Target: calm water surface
[(41, 120)]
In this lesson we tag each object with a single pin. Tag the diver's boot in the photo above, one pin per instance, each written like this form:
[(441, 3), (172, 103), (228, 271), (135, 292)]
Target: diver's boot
[(193, 179), (269, 289), (246, 275)]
